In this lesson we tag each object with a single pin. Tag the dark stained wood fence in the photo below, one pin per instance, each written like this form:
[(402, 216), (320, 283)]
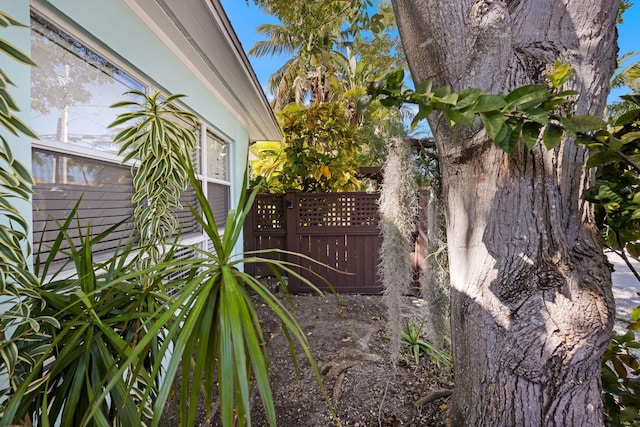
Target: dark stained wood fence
[(336, 229)]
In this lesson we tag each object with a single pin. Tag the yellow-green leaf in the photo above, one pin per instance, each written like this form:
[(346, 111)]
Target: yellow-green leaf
[(561, 73)]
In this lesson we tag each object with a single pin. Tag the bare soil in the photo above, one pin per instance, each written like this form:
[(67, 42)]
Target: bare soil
[(350, 344)]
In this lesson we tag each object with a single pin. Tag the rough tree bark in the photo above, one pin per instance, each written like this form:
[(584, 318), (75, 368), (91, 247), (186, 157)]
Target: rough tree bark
[(532, 308)]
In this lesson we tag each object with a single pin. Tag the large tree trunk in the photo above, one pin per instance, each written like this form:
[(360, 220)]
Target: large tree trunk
[(531, 302)]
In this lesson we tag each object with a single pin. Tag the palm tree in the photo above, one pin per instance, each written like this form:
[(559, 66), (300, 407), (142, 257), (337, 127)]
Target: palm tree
[(333, 57), (307, 75)]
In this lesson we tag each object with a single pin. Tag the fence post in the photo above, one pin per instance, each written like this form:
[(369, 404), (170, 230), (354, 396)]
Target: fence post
[(291, 206)]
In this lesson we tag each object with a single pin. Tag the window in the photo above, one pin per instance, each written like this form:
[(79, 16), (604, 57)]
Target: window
[(217, 176), (72, 89)]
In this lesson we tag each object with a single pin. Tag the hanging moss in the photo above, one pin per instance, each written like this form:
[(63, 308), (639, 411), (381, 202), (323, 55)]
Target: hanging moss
[(398, 207), (434, 280)]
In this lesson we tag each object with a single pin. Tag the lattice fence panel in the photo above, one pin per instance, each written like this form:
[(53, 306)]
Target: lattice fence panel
[(338, 210), (270, 212)]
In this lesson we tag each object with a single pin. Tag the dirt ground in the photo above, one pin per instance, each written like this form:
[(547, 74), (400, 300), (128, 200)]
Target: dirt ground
[(350, 344)]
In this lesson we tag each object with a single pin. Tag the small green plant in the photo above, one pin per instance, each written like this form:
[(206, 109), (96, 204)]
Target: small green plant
[(620, 376), (412, 338)]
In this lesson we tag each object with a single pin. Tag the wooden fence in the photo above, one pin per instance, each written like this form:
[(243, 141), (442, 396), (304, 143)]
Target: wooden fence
[(336, 229)]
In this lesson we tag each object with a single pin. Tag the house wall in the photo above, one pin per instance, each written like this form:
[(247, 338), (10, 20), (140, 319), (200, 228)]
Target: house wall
[(115, 27)]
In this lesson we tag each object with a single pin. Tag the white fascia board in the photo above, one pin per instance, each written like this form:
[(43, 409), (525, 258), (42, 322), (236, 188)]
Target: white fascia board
[(201, 36)]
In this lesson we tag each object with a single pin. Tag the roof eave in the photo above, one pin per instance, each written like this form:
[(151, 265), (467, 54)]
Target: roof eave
[(200, 33)]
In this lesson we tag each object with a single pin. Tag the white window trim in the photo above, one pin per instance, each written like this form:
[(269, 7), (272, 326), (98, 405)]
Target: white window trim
[(206, 128), (75, 150)]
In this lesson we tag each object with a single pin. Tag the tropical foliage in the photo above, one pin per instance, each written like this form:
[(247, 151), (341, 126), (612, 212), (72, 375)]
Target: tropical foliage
[(156, 142), (310, 73), (333, 45), (627, 76), (91, 348), (212, 330), (100, 313), (106, 343), (525, 114), (319, 151), (267, 163), (616, 192), (335, 49), (620, 370), (17, 281)]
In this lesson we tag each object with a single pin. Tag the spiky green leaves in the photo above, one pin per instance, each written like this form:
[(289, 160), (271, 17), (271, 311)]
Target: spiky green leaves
[(210, 322), (412, 338), (17, 282), (90, 323)]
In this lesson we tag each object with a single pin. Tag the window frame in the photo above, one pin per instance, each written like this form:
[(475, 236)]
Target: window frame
[(204, 177)]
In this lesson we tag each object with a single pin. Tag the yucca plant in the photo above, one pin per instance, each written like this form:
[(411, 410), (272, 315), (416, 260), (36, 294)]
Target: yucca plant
[(100, 315), (215, 337), (220, 339)]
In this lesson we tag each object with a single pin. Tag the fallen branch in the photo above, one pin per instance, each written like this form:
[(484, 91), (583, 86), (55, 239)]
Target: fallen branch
[(439, 394)]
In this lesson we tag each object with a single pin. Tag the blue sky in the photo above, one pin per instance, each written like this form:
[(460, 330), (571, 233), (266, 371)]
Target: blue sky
[(628, 37), (246, 17), (629, 32)]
